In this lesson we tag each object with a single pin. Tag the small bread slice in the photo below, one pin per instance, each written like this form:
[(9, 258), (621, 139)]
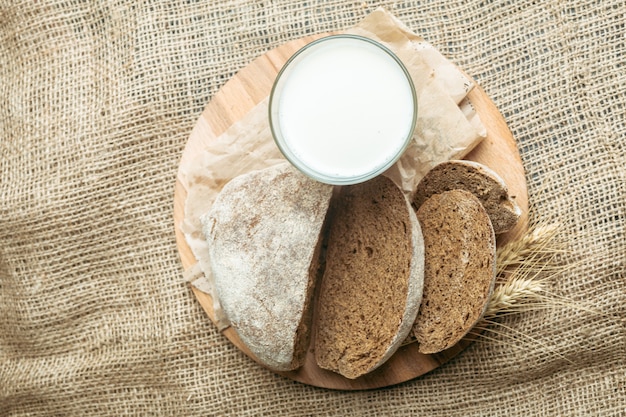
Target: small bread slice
[(264, 237), (479, 180), (372, 284), (460, 268)]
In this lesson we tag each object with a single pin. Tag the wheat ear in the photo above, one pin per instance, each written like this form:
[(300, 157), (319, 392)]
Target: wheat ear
[(513, 295), (534, 246)]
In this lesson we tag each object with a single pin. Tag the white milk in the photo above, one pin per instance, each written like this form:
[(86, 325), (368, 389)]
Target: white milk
[(344, 109)]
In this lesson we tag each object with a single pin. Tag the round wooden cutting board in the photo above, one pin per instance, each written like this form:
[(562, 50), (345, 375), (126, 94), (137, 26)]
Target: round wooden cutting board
[(246, 89)]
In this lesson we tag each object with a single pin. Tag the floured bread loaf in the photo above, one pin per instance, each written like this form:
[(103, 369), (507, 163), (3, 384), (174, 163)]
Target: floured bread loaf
[(372, 285), (479, 180), (263, 233), (459, 268)]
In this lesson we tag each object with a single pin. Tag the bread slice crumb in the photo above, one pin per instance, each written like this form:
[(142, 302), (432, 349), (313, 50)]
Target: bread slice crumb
[(478, 179), (460, 262), (372, 285)]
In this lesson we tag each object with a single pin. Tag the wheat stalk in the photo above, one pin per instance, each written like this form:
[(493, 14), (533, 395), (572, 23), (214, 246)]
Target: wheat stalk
[(534, 247), (520, 265)]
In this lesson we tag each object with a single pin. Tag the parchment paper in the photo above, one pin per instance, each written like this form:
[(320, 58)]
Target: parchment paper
[(447, 128)]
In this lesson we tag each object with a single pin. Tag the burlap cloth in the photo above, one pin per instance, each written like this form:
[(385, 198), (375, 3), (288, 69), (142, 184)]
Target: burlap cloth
[(97, 100)]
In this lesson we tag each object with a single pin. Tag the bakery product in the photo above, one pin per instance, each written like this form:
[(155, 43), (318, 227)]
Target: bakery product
[(372, 284), (460, 264), (263, 233), (479, 180), (459, 272)]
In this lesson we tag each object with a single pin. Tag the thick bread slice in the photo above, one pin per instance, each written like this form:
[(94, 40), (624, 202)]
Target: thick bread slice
[(479, 180), (264, 236), (372, 284), (460, 268)]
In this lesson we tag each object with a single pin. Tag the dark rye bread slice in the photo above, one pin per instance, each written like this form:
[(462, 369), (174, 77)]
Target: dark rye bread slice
[(264, 237), (479, 180), (372, 284), (459, 272)]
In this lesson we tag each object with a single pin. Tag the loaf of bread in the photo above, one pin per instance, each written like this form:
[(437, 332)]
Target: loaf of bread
[(263, 232), (372, 285), (387, 271), (479, 180), (459, 268)]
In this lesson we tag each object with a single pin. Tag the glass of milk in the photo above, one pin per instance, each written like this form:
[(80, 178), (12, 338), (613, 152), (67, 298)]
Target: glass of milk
[(343, 109)]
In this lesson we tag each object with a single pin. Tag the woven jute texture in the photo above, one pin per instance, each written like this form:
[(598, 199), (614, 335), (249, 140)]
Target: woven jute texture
[(97, 100)]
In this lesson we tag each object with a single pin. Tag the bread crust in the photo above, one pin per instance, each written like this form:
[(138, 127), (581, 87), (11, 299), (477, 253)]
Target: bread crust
[(264, 235)]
